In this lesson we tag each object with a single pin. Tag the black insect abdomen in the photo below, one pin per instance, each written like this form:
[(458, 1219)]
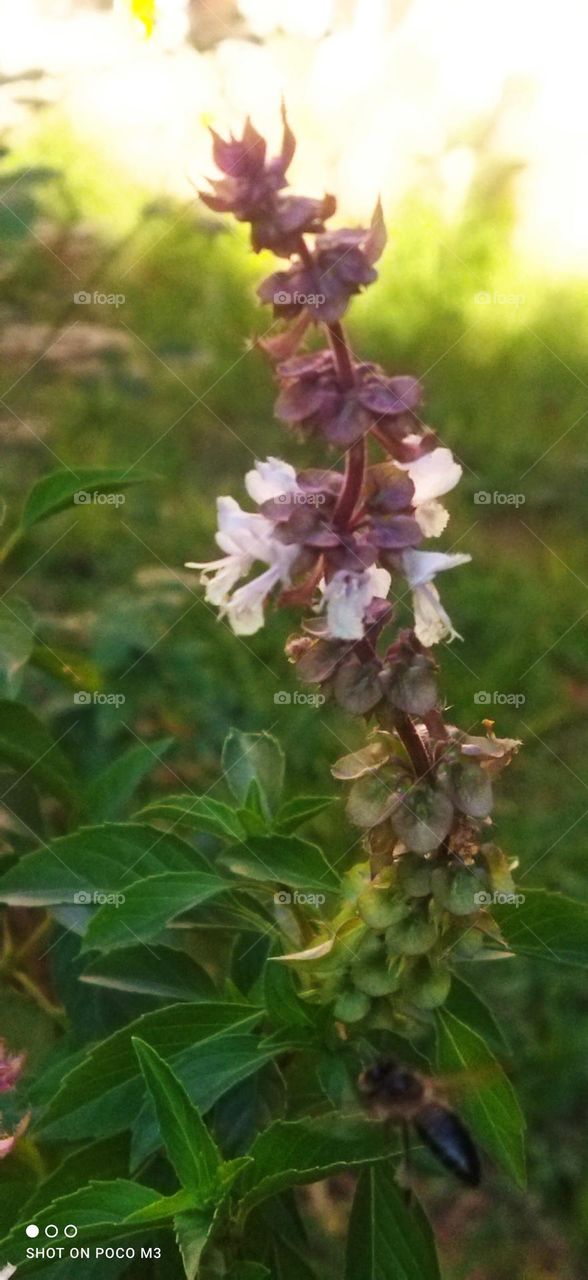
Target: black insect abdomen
[(449, 1140)]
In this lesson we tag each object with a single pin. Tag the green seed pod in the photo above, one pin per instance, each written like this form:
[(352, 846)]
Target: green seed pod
[(427, 984), (460, 890), (372, 972), (423, 818), (465, 940), (413, 936), (414, 876), (380, 906), (352, 1006)]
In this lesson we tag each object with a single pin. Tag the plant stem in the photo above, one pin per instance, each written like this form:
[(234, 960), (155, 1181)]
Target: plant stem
[(413, 743)]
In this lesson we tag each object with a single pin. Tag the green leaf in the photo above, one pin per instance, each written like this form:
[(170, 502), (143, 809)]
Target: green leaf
[(254, 756), (26, 745), (464, 1003), (292, 814), (103, 1094), (189, 1145), (101, 1212), (282, 1001), (108, 795), (208, 1071), (193, 1231), (92, 860), (75, 670), (488, 1102), (198, 813), (58, 490), (17, 637), (388, 1239), (149, 905), (293, 1152), (154, 971), (547, 926), (107, 1158), (282, 860)]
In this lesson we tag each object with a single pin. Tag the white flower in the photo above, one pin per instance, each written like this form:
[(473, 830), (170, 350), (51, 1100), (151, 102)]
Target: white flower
[(248, 537), (432, 623), (432, 475), (270, 479), (347, 596)]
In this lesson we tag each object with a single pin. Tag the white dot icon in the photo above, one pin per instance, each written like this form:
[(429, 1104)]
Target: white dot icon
[(70, 1230), (32, 1230)]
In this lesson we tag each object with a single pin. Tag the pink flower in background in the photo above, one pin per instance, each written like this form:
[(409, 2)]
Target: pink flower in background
[(11, 1066)]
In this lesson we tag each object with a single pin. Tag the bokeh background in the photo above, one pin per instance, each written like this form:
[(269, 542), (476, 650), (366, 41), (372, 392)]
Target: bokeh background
[(471, 122)]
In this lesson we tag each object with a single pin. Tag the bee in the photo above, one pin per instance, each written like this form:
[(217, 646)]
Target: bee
[(400, 1094)]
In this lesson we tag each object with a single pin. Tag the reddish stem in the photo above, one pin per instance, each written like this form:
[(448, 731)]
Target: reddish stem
[(413, 743)]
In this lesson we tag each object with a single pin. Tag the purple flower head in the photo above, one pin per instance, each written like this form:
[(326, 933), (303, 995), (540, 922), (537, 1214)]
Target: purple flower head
[(312, 398), (322, 281), (252, 190)]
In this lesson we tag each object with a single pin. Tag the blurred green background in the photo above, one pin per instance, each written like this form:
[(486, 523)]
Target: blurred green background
[(167, 382)]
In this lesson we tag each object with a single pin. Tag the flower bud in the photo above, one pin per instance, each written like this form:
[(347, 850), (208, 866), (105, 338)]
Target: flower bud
[(498, 866)]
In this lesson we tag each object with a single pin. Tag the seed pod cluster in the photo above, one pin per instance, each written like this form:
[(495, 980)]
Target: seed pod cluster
[(391, 959)]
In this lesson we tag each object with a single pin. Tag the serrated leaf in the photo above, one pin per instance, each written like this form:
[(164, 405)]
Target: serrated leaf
[(101, 859), (17, 637), (388, 1239), (282, 1001), (104, 1093), (547, 926), (149, 905), (281, 859), (193, 1231), (295, 812), (190, 1147), (155, 971), (28, 748), (207, 1070), (108, 795), (56, 491), (254, 756), (198, 813), (464, 1003), (489, 1105), (293, 1152)]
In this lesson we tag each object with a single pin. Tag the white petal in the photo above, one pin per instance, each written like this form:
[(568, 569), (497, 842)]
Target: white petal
[(420, 567), (270, 479), (242, 532), (226, 575), (433, 475), (7, 1271), (431, 622), (348, 596), (380, 581), (432, 518), (245, 608)]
